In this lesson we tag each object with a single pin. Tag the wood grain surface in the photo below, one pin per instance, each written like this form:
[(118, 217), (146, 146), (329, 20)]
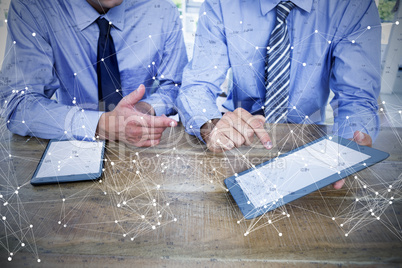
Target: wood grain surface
[(199, 227)]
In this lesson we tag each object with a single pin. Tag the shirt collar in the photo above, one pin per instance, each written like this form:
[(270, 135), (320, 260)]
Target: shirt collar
[(268, 5), (85, 14)]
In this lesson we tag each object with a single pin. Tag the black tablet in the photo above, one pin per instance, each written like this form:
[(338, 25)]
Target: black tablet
[(70, 161), (298, 173)]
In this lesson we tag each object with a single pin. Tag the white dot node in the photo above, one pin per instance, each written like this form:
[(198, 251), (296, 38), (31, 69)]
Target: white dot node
[(33, 34), (238, 222), (22, 244), (353, 41), (306, 116), (329, 42), (124, 235), (4, 218), (333, 218), (110, 22), (102, 59), (31, 226), (153, 227), (368, 27), (118, 205), (347, 117), (10, 259), (153, 77), (167, 204), (204, 110), (215, 67), (176, 85), (142, 216), (251, 64), (364, 186), (346, 235), (241, 22), (378, 218), (291, 47), (117, 90), (6, 22), (150, 36), (256, 47), (304, 64), (205, 13), (248, 202), (174, 219), (381, 109), (316, 31), (269, 221), (268, 48), (132, 238), (397, 22), (280, 234), (390, 202), (65, 225), (115, 221), (75, 74), (39, 260)]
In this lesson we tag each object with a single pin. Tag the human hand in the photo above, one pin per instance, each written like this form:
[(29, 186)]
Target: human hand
[(361, 139), (233, 130), (131, 125)]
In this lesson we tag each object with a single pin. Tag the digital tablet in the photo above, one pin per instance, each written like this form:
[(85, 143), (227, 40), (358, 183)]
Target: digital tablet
[(298, 173), (70, 161)]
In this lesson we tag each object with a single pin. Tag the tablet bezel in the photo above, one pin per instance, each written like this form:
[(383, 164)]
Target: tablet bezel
[(250, 212)]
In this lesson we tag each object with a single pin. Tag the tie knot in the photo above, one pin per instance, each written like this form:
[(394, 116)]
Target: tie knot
[(104, 26), (283, 9)]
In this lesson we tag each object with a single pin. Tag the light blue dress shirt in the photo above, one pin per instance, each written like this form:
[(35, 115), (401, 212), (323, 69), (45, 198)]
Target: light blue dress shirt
[(52, 48), (335, 45)]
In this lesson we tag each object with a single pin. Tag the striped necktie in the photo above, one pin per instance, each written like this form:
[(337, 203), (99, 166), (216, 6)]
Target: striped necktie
[(109, 87), (277, 69)]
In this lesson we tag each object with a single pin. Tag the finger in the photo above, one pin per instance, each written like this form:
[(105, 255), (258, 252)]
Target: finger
[(338, 185), (219, 143), (239, 121), (234, 136), (134, 96), (148, 143), (257, 124), (362, 138), (159, 121)]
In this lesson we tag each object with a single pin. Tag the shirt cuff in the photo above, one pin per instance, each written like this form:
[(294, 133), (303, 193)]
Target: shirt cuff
[(84, 124), (161, 104)]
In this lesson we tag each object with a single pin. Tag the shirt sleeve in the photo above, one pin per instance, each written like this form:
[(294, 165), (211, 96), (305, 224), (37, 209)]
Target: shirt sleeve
[(28, 80), (355, 77), (170, 70), (206, 71)]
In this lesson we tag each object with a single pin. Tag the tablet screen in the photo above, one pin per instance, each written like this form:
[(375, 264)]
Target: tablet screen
[(286, 175), (69, 158)]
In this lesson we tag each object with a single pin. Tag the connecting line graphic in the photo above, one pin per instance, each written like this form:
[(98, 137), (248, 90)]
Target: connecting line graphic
[(133, 198)]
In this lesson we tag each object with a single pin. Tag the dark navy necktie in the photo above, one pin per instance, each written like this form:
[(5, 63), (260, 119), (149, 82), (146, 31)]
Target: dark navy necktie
[(109, 86), (277, 69)]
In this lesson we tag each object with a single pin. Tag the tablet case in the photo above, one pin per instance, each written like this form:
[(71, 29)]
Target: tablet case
[(250, 212)]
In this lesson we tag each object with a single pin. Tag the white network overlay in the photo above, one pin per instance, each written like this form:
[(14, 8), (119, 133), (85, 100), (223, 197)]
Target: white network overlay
[(158, 171)]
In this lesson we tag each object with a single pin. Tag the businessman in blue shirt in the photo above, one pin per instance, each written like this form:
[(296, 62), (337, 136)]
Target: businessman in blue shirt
[(54, 47), (331, 45)]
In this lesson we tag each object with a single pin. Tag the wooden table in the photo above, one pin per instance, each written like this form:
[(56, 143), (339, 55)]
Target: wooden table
[(124, 220)]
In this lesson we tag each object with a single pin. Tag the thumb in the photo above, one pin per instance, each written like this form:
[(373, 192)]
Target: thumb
[(134, 96), (362, 138)]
